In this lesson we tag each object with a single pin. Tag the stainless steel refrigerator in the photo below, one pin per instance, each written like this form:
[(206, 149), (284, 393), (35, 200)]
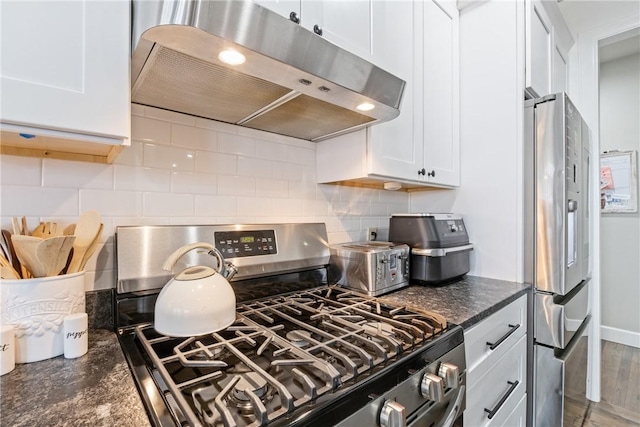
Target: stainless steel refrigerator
[(557, 259)]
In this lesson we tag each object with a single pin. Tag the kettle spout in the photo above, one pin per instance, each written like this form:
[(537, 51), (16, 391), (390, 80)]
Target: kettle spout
[(230, 270)]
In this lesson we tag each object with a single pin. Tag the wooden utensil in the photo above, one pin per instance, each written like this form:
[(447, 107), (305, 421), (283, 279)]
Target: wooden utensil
[(26, 249), (6, 269), (87, 228), (69, 230), (46, 229), (11, 255), (53, 252), (91, 249)]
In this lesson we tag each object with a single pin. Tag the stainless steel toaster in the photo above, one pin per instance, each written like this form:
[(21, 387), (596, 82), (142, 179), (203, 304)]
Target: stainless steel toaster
[(373, 268)]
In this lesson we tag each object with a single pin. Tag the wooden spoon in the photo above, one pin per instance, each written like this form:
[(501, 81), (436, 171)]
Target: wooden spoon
[(26, 249), (87, 229), (53, 253), (6, 269), (91, 249)]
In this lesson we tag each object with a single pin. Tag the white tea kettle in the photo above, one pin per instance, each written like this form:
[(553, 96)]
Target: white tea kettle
[(198, 300)]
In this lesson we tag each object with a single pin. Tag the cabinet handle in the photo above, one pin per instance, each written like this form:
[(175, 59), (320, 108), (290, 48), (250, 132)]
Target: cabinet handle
[(492, 412), (317, 30), (432, 173), (294, 17), (492, 346), (422, 171)]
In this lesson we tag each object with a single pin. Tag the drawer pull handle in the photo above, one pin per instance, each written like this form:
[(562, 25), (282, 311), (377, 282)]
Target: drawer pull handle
[(492, 412), (492, 346)]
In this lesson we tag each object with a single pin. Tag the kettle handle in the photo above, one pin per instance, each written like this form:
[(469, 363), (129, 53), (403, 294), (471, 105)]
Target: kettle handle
[(175, 256)]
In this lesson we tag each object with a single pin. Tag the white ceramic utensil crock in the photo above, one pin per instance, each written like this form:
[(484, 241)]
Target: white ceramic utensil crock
[(198, 300)]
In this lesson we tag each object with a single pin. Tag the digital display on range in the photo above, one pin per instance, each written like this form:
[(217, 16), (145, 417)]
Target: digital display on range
[(236, 244)]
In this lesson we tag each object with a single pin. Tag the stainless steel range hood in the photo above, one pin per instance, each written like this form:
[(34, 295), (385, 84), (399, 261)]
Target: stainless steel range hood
[(293, 82)]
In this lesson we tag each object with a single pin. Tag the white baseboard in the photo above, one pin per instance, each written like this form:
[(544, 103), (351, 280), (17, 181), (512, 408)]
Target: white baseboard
[(620, 336)]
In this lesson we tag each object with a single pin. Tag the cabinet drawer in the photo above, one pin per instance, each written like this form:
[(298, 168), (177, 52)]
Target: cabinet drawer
[(485, 343), (499, 390)]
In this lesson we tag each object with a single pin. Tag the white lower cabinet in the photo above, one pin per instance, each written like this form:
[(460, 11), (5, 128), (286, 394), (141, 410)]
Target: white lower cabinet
[(496, 353)]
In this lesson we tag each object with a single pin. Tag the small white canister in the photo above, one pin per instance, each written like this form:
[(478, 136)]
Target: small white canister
[(7, 349), (76, 339)]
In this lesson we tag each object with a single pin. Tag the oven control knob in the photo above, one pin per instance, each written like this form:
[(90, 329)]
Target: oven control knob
[(449, 373), (392, 415), (431, 388)]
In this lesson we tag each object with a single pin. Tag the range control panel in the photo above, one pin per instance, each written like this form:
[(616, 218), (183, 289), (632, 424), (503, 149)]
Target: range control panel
[(236, 244)]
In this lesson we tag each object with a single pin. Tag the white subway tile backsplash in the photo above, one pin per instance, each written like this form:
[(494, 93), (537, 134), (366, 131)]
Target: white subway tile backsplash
[(194, 183), (36, 201), (142, 179), (302, 190), (187, 170), (284, 208), (61, 173), (137, 110), (170, 116), (15, 170), (236, 185), (131, 155), (315, 207), (258, 168), (216, 163), (255, 206), (271, 150), (111, 203), (302, 156), (235, 144), (215, 206), (149, 130), (195, 138), (172, 158), (163, 204), (217, 126), (289, 171), (272, 188)]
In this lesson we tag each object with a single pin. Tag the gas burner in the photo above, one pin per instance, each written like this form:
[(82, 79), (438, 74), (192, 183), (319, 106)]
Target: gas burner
[(379, 329), (251, 381), (299, 338)]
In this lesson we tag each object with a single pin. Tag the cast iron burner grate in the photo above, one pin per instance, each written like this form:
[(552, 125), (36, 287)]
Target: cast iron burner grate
[(283, 353)]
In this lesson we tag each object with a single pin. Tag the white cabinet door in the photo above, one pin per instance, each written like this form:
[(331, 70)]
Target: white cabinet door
[(539, 50), (65, 67), (347, 24), (396, 147), (441, 100), (282, 7), (559, 71)]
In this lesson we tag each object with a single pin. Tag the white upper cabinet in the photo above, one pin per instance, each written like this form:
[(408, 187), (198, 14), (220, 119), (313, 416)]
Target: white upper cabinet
[(65, 76), (548, 41), (290, 9), (347, 24), (441, 94), (418, 42)]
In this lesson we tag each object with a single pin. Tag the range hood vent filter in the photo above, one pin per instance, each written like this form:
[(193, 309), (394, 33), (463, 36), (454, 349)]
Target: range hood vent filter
[(174, 81), (293, 82)]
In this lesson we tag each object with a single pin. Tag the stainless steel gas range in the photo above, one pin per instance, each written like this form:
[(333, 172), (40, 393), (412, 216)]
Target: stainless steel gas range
[(302, 351)]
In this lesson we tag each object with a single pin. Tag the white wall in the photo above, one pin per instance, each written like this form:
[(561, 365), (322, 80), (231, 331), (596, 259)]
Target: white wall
[(184, 170), (620, 233), (491, 135)]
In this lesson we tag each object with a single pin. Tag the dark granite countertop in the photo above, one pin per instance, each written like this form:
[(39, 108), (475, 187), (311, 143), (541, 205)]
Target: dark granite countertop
[(97, 389), (465, 302), (93, 390)]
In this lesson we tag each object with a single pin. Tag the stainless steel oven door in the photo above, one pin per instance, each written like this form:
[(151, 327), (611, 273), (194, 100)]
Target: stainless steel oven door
[(561, 381)]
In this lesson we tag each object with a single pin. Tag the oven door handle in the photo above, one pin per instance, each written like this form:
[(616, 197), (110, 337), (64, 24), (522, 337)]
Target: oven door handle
[(453, 410)]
